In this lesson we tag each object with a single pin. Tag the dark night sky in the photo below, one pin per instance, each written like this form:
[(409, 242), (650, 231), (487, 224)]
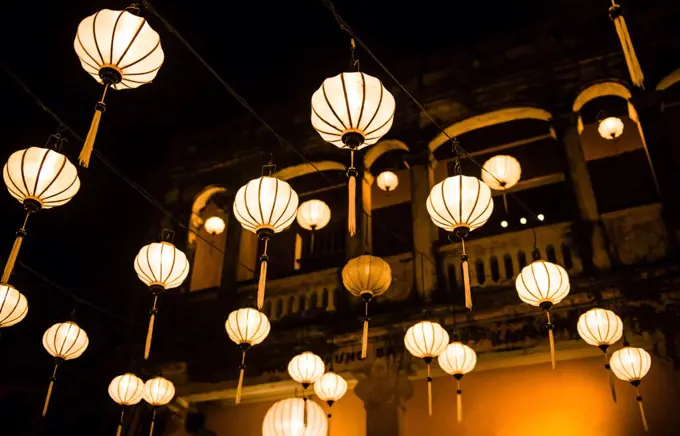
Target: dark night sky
[(268, 51)]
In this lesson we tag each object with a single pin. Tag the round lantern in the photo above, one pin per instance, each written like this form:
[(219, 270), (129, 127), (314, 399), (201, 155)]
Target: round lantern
[(330, 388), (387, 181), (39, 178), (543, 284), (352, 110), (426, 340), (631, 364), (610, 128), (313, 215), (461, 204), (64, 341), (160, 266), (13, 306), (306, 368), (119, 50), (601, 328), (295, 417), (501, 172), (366, 276), (246, 327), (158, 392), (126, 390), (457, 360), (214, 225), (265, 206)]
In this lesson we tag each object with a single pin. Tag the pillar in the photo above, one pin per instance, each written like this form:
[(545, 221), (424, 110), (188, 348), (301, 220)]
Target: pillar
[(362, 241), (585, 196), (424, 231)]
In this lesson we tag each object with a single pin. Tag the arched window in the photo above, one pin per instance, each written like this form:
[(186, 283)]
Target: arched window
[(521, 259), (479, 267), (279, 308), (495, 272), (509, 270), (566, 255), (550, 254), (292, 308), (313, 300), (324, 299)]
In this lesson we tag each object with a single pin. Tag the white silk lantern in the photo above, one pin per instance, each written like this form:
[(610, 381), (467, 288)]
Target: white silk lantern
[(126, 390), (295, 417), (13, 306), (631, 364), (306, 368), (158, 392), (457, 360)]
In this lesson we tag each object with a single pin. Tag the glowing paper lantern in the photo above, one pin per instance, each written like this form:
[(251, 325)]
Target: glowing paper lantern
[(367, 277), (214, 225), (246, 327), (13, 306), (543, 284), (457, 360), (265, 206), (295, 417), (501, 173), (610, 128), (126, 390), (631, 364), (160, 266), (426, 340), (387, 181), (313, 215), (352, 110), (119, 50), (330, 388), (306, 368), (461, 204), (158, 392), (64, 341), (39, 178)]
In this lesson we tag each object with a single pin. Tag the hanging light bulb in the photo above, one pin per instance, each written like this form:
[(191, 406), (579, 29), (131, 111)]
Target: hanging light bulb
[(610, 128), (330, 388), (295, 417), (501, 173), (366, 277), (543, 284), (126, 390), (426, 340), (352, 111), (214, 225), (457, 360), (387, 181), (246, 327), (13, 306), (119, 50), (158, 392), (64, 341), (601, 328), (39, 178), (265, 206), (461, 204), (160, 266), (631, 364), (306, 368)]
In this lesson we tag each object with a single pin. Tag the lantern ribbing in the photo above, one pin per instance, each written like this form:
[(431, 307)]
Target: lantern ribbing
[(631, 364)]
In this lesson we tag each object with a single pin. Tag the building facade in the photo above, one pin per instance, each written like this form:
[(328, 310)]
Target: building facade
[(607, 211)]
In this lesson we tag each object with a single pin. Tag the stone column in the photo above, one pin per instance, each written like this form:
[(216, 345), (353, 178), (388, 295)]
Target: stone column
[(363, 240), (585, 196), (424, 231)]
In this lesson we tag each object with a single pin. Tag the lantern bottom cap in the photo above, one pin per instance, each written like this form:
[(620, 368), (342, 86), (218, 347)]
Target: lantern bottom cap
[(545, 304), (32, 204), (110, 74), (353, 138), (265, 232), (156, 288)]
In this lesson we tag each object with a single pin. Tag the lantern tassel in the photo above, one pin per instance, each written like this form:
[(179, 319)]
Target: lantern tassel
[(364, 336), (153, 422), (642, 410), (329, 424), (149, 333), (88, 145), (263, 276), (11, 261), (429, 390), (239, 388), (551, 337), (459, 402), (49, 389), (352, 188), (505, 202), (120, 423), (612, 387), (636, 75)]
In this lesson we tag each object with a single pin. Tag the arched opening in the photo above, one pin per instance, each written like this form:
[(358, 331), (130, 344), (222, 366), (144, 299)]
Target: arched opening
[(509, 270), (495, 271), (550, 254), (479, 268), (566, 256), (208, 248), (521, 259)]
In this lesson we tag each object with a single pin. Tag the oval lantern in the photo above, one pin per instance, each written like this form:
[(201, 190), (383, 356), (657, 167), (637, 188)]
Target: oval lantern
[(158, 392), (13, 306), (601, 328), (265, 206), (39, 178), (214, 225), (461, 204), (119, 50), (160, 266), (313, 215), (126, 390), (501, 172), (295, 417), (366, 277), (306, 368), (330, 388), (246, 327), (610, 128), (64, 341), (631, 364), (457, 360), (352, 110), (387, 181), (543, 284), (426, 340)]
